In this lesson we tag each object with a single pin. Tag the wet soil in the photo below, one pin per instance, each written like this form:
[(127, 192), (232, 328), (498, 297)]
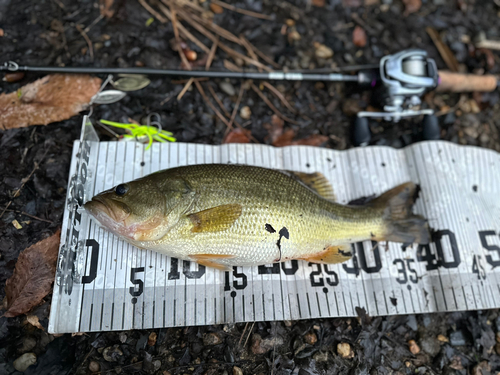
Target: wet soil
[(45, 33)]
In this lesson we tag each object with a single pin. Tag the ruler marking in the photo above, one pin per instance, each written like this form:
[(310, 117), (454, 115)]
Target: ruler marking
[(300, 310), (308, 304), (90, 320), (263, 306), (376, 302), (112, 314), (102, 313), (243, 298), (253, 306)]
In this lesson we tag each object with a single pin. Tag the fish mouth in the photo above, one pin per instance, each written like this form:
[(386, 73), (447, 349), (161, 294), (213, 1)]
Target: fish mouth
[(110, 214)]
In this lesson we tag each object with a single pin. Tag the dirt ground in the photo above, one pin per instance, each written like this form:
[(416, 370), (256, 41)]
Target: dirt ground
[(45, 32)]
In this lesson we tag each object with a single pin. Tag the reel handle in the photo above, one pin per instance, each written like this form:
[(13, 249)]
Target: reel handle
[(457, 82)]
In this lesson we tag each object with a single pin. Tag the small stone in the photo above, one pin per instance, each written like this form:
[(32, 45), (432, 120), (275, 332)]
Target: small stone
[(443, 338), (262, 346), (482, 368), (430, 345), (294, 35), (212, 338), (191, 55), (322, 51), (484, 138), (217, 9), (359, 37), (310, 338), (94, 366), (152, 339), (289, 22), (237, 371), (165, 372), (118, 370), (245, 113), (471, 132), (122, 337), (414, 348), (457, 338), (344, 350), (16, 224), (412, 322), (227, 88), (287, 323), (23, 362), (474, 107), (320, 356), (112, 353), (28, 344)]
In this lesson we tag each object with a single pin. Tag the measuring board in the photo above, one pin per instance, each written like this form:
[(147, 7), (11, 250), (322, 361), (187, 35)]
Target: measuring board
[(102, 283)]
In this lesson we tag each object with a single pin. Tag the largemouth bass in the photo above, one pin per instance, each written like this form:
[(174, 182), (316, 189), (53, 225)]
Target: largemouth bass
[(222, 215)]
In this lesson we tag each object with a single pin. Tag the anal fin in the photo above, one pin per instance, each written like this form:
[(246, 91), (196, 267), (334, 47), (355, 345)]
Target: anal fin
[(331, 255), (210, 260)]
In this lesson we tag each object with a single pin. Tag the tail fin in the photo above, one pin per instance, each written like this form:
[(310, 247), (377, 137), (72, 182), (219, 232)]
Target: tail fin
[(402, 225)]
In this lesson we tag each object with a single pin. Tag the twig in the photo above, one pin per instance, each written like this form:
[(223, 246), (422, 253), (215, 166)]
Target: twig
[(242, 11), (243, 333), (184, 81), (185, 88), (236, 106), (183, 30), (446, 54), (250, 51), (214, 94), (157, 15), (280, 96), (87, 39), (178, 40), (261, 54), (249, 333), (25, 180), (211, 55), (210, 104), (230, 66), (186, 16), (87, 29), (122, 367), (270, 105)]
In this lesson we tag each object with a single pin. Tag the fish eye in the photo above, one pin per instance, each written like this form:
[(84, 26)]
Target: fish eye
[(121, 189)]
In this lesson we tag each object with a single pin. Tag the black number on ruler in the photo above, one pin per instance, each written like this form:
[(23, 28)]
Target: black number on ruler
[(174, 269), (136, 282), (186, 265), (93, 261), (403, 273), (275, 268), (332, 281), (362, 260), (424, 253), (478, 268), (484, 241), (236, 284), (454, 248)]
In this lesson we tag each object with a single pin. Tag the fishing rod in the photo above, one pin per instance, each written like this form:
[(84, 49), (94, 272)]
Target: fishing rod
[(399, 81)]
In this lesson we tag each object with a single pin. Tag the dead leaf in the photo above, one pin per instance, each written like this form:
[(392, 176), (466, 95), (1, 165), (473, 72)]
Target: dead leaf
[(106, 8), (237, 136), (52, 98), (318, 3), (359, 36), (312, 140), (285, 139), (275, 128), (411, 6), (33, 276), (33, 320)]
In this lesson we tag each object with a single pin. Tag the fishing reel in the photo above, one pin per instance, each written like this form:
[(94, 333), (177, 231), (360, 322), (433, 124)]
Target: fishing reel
[(402, 79)]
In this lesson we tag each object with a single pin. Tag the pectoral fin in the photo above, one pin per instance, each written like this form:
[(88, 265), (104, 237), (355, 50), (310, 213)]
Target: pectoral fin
[(331, 255), (316, 182), (210, 260), (215, 219)]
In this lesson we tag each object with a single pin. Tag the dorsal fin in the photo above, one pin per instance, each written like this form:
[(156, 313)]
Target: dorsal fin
[(317, 182)]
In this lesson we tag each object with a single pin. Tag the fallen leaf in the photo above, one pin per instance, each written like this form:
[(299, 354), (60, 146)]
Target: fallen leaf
[(359, 36), (33, 320), (312, 140), (33, 276), (275, 128), (106, 8), (52, 98), (237, 136), (411, 6), (285, 139)]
